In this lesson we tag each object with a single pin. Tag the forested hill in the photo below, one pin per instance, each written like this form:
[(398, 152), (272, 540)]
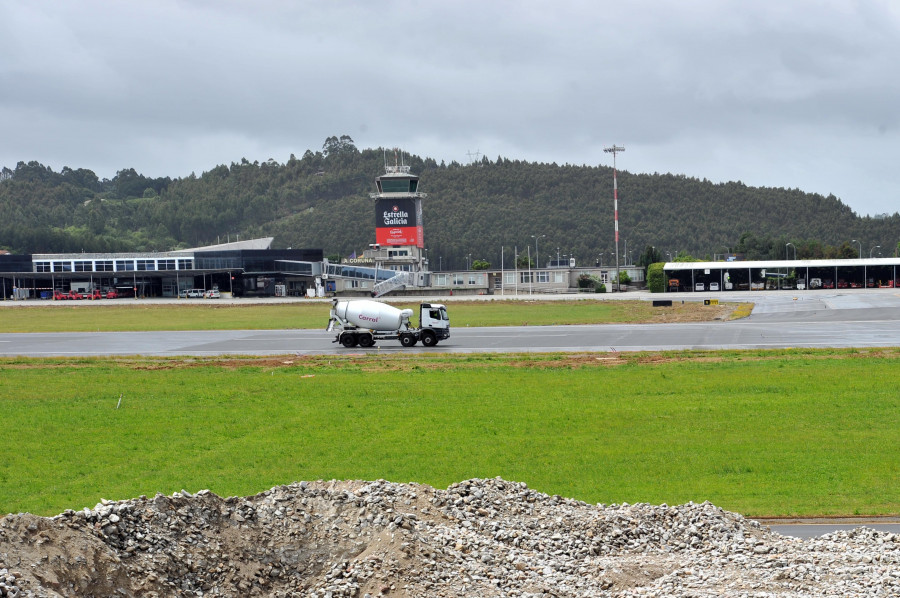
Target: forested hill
[(322, 200)]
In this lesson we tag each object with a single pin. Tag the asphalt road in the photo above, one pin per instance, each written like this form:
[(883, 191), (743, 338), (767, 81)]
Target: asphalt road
[(779, 320)]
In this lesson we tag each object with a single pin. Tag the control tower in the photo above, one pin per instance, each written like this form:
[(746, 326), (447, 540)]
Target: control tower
[(398, 206), (399, 241)]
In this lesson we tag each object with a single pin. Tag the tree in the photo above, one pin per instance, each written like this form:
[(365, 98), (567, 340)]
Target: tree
[(656, 278), (480, 265), (650, 255), (342, 145)]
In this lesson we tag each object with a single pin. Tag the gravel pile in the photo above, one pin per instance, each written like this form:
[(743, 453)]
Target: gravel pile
[(481, 537)]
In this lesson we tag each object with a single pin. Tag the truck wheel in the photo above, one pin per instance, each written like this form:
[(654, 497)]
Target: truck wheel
[(348, 340), (429, 339), (407, 340), (366, 340)]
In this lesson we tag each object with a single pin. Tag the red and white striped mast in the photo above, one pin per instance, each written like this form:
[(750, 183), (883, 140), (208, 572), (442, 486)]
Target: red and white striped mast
[(614, 150)]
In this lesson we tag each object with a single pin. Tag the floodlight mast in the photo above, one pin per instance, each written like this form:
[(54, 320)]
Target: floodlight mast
[(614, 149)]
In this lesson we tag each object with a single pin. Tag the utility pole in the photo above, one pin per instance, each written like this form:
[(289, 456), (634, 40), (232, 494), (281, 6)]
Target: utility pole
[(614, 149)]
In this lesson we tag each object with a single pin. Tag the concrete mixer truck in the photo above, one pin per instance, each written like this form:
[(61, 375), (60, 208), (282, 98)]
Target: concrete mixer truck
[(362, 322)]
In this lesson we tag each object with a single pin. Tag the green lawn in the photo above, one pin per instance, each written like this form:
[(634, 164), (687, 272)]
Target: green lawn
[(761, 433)]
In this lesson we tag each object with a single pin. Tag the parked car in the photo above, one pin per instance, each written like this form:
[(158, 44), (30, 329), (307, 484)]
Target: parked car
[(713, 286), (112, 294), (699, 287), (213, 294), (195, 294), (801, 285)]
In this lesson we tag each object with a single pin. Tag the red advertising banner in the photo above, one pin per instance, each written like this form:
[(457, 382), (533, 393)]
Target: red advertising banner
[(397, 222)]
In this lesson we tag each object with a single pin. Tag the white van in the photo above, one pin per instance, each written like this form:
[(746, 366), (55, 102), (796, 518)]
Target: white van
[(699, 287), (713, 286)]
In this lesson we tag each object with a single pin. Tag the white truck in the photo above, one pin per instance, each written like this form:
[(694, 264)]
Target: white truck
[(362, 322)]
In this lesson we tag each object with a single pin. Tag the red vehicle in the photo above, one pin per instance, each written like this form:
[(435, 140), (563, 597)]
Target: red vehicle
[(828, 284), (112, 294), (95, 294), (74, 295), (60, 296), (842, 284)]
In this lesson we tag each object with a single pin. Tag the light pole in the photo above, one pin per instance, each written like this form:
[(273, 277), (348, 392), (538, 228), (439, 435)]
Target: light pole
[(537, 258), (860, 247), (614, 149), (468, 257), (601, 259), (786, 245), (873, 249)]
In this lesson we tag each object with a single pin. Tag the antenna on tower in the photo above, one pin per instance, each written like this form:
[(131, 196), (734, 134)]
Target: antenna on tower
[(476, 153), (399, 165)]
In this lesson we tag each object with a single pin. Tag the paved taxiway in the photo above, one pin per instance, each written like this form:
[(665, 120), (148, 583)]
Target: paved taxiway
[(867, 318)]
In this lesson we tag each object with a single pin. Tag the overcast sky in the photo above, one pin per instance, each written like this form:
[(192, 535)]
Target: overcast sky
[(796, 94)]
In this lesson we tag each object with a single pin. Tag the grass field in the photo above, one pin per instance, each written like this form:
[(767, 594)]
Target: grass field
[(90, 317), (762, 433)]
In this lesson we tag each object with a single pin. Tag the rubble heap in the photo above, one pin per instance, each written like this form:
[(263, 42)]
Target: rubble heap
[(480, 537)]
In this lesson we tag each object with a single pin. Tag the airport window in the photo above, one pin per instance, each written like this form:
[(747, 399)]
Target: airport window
[(525, 277), (542, 276), (509, 278), (124, 265), (62, 266), (185, 264), (83, 266), (458, 279), (165, 264), (42, 267), (103, 266), (395, 186), (146, 264), (440, 280), (559, 277)]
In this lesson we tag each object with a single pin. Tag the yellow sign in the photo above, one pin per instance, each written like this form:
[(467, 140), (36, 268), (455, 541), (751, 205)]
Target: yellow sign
[(710, 302)]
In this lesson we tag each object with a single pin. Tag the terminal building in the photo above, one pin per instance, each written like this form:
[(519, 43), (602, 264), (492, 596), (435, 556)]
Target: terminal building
[(240, 268)]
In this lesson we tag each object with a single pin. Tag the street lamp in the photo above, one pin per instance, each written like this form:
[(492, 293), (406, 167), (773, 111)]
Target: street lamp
[(873, 249), (468, 257), (785, 250), (537, 258), (860, 247), (601, 259)]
